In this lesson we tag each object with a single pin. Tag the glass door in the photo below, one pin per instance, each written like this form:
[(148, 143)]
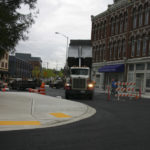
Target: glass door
[(140, 81)]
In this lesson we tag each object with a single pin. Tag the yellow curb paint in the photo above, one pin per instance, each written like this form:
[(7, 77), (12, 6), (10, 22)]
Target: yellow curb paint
[(60, 115), (5, 123)]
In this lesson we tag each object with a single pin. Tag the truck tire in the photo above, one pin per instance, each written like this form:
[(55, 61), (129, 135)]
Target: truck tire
[(66, 96), (91, 97)]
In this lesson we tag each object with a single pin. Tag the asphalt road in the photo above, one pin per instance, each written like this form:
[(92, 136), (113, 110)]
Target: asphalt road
[(123, 125)]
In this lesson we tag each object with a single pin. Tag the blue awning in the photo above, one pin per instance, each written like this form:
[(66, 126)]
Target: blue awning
[(112, 68)]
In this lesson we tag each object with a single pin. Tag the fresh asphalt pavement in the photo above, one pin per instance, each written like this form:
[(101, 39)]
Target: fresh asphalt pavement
[(117, 125)]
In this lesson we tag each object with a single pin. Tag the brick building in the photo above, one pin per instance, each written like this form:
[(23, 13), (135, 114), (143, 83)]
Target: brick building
[(121, 44), (4, 67), (35, 61), (22, 64)]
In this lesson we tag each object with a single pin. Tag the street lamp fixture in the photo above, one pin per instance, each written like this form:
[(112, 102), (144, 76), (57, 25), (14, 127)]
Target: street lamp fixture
[(67, 38)]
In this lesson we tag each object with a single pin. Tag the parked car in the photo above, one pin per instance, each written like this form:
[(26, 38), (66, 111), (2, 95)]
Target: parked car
[(57, 84), (24, 84)]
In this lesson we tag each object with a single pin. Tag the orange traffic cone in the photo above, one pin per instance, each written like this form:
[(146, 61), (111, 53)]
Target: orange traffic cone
[(42, 89), (136, 97)]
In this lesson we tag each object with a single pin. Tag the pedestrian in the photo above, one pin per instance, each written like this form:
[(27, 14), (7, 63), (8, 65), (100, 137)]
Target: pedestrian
[(113, 87)]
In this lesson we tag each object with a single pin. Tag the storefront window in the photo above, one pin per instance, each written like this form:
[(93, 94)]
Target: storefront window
[(130, 77), (131, 67), (148, 80), (140, 66)]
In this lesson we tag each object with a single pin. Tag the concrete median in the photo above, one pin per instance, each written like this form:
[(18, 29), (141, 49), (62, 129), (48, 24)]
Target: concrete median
[(30, 111)]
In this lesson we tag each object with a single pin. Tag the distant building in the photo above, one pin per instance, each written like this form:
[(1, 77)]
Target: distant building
[(19, 68), (35, 61), (121, 37), (4, 67)]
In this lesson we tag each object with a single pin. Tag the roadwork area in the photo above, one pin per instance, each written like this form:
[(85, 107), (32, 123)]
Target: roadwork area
[(22, 110)]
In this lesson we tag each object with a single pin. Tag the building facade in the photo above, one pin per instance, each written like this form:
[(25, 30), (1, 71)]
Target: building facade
[(121, 44), (19, 68), (34, 61), (4, 67)]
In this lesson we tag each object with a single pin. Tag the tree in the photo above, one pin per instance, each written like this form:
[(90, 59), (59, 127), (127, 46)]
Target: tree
[(47, 73), (36, 72), (14, 24)]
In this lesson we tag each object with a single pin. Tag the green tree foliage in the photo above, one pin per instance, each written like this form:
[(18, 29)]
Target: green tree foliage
[(60, 74), (36, 72), (48, 73), (13, 23)]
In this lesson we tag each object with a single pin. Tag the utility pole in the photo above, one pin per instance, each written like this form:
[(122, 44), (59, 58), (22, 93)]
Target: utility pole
[(47, 65)]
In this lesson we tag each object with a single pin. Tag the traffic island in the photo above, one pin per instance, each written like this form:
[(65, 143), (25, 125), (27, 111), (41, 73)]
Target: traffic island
[(19, 111)]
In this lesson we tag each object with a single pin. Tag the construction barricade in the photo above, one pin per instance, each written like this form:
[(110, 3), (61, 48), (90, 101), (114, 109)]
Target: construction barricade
[(42, 89), (125, 89)]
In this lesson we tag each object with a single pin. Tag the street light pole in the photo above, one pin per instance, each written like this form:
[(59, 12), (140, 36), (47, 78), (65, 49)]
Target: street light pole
[(66, 45)]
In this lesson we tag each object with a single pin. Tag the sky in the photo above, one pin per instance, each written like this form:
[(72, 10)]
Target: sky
[(69, 18)]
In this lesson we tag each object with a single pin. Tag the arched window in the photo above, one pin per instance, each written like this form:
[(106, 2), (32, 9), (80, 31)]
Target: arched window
[(121, 23), (134, 18), (146, 14), (100, 31), (97, 30), (105, 29), (102, 51), (125, 21), (132, 47), (94, 55), (124, 48), (119, 49), (138, 48), (110, 51), (97, 26), (115, 50), (144, 47), (116, 25), (99, 52), (112, 26), (140, 16)]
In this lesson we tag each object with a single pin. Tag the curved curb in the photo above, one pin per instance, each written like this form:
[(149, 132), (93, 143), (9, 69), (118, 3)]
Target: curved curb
[(89, 112), (78, 111)]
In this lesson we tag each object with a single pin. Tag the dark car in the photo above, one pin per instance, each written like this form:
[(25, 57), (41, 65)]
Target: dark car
[(57, 84), (24, 84)]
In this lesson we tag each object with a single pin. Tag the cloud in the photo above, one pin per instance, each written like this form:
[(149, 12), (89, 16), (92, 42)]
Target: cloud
[(71, 18)]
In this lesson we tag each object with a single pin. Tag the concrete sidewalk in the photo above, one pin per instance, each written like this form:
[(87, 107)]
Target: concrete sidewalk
[(30, 111), (98, 90)]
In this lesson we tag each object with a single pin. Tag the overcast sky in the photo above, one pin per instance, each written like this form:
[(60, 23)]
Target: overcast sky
[(71, 18)]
